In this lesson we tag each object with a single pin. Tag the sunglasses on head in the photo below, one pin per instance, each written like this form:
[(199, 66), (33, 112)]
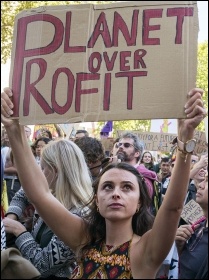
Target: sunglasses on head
[(126, 145)]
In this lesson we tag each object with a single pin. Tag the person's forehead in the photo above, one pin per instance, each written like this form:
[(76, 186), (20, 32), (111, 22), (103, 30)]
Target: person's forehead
[(126, 140), (116, 174), (165, 163)]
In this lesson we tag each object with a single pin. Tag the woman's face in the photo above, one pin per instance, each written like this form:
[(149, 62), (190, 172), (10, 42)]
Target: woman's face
[(118, 195), (147, 158), (39, 146)]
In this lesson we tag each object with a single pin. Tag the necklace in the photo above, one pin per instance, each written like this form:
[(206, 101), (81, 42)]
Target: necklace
[(109, 249)]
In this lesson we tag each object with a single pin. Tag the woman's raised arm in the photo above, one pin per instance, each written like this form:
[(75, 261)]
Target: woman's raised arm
[(160, 239), (68, 227)]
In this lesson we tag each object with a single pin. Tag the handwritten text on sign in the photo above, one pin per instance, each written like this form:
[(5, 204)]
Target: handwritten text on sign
[(163, 141), (191, 212), (90, 63)]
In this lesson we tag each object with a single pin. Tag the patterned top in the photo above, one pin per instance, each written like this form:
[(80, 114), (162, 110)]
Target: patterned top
[(105, 262), (3, 236), (41, 246)]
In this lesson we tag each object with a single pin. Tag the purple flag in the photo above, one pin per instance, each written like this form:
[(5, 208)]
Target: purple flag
[(106, 128)]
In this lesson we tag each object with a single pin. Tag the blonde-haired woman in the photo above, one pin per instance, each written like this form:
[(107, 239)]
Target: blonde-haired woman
[(65, 169), (69, 179)]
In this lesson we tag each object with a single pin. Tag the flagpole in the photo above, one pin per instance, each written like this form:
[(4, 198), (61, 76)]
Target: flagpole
[(93, 128)]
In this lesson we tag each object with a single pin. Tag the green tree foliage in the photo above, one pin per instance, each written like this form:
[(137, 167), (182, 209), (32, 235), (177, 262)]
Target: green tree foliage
[(202, 69), (202, 74), (139, 125)]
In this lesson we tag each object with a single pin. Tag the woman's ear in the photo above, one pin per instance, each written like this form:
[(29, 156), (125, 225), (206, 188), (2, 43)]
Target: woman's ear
[(96, 200)]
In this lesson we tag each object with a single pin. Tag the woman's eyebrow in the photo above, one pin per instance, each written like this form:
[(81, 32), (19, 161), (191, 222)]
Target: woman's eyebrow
[(111, 182)]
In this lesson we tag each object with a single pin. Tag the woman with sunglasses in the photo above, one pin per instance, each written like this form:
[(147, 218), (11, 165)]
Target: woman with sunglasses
[(192, 241), (115, 242)]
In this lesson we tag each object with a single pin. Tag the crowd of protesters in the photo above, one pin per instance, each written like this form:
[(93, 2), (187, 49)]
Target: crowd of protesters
[(73, 211)]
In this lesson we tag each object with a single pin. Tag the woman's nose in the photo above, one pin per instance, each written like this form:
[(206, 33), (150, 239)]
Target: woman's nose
[(201, 185), (116, 194)]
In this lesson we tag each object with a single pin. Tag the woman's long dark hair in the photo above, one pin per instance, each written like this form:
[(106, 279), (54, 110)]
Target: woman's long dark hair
[(142, 220)]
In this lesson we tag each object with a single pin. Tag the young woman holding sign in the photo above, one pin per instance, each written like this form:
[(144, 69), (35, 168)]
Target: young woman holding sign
[(115, 242)]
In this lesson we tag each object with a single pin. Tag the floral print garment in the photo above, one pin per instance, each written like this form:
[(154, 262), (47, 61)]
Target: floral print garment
[(105, 262)]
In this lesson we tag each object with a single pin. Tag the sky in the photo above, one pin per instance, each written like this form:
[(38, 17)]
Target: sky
[(203, 20)]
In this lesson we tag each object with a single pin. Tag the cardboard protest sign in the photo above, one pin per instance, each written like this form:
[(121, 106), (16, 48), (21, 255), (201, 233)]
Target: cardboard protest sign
[(191, 212), (163, 141), (201, 145), (107, 143), (164, 126), (40, 129), (127, 60), (67, 128)]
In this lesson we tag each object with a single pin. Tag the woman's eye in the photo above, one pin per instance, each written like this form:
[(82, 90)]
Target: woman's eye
[(107, 187), (126, 187)]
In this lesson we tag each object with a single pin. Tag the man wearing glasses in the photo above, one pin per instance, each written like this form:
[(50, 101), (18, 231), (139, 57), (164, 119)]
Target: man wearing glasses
[(130, 149)]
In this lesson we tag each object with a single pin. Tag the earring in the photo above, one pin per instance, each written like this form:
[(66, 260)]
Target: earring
[(97, 209), (137, 209)]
